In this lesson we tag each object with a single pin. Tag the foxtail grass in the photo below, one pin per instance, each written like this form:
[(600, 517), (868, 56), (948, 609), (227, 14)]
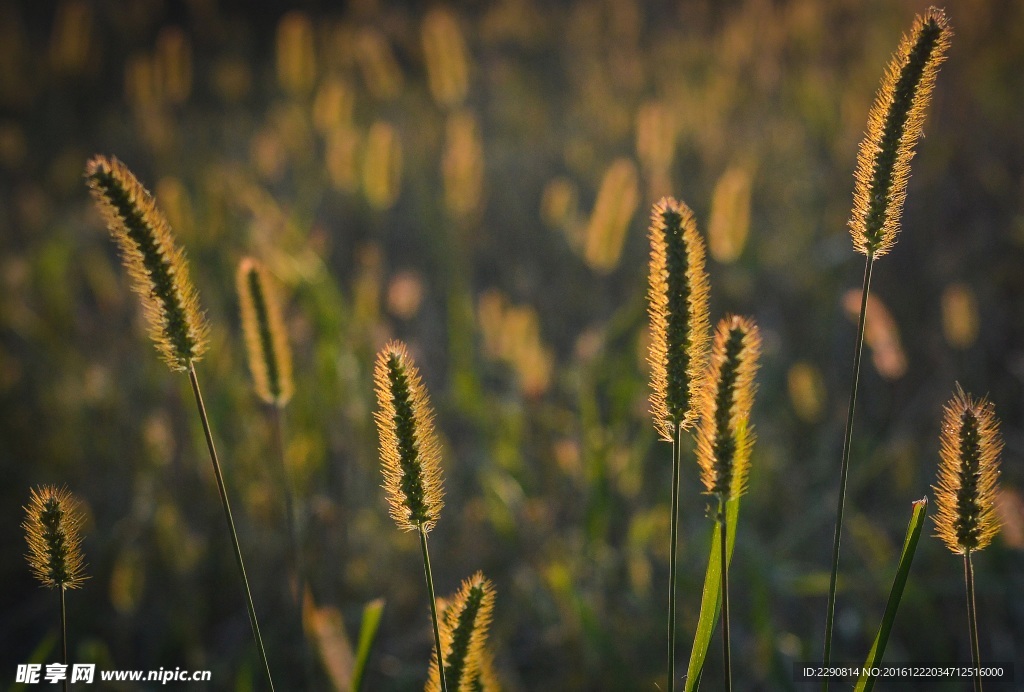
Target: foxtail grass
[(270, 364), (53, 530), (159, 275), (895, 124), (464, 623), (965, 495), (410, 456), (678, 309), (724, 434)]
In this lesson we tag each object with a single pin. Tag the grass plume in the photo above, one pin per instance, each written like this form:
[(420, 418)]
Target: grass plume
[(465, 620), (156, 265), (266, 342), (53, 531), (52, 526), (895, 124), (409, 450), (965, 495), (678, 308), (724, 435)]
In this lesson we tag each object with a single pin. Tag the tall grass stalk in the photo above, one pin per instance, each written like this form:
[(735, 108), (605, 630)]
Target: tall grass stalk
[(52, 529), (678, 309), (895, 124), (965, 495), (725, 437), (270, 363), (410, 455), (159, 275)]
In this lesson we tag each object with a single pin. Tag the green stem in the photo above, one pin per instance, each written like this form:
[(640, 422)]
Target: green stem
[(433, 608), (673, 547), (725, 595), (844, 468), (277, 413), (972, 616), (64, 635), (230, 519)]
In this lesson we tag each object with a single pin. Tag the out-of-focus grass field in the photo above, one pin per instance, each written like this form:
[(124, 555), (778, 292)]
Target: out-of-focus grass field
[(476, 180)]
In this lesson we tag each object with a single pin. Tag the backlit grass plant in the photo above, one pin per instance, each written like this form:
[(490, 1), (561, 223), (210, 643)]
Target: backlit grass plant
[(464, 622), (159, 275), (965, 495), (270, 364), (725, 436), (410, 456), (678, 309), (52, 526), (895, 124)]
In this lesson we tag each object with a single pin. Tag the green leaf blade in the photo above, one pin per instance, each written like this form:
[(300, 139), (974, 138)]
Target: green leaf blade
[(372, 612), (710, 602), (867, 682)]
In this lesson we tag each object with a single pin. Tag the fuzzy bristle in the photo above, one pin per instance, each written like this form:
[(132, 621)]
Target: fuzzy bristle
[(463, 636), (965, 495), (895, 124), (53, 531), (724, 434), (409, 450), (270, 357), (678, 308), (157, 267), (486, 679)]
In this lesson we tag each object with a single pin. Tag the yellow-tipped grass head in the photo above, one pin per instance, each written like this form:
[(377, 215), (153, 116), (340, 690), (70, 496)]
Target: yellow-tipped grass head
[(965, 496), (157, 267), (409, 450), (463, 637), (53, 530), (724, 434), (678, 308), (895, 123), (270, 358)]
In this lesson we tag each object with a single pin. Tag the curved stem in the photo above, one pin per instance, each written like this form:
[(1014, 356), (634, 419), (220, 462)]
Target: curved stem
[(673, 546), (844, 468), (972, 616), (725, 593), (64, 635), (433, 608), (229, 517)]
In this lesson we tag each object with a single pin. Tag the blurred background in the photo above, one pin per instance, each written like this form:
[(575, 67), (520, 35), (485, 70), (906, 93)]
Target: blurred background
[(475, 178)]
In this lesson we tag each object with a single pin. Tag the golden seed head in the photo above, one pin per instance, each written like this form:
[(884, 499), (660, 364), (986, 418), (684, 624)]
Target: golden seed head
[(965, 495), (724, 434), (52, 529), (409, 449), (895, 123), (270, 357), (157, 267), (463, 631), (678, 308)]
